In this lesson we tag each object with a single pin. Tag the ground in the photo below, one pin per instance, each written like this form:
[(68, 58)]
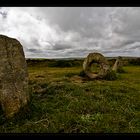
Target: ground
[(63, 102)]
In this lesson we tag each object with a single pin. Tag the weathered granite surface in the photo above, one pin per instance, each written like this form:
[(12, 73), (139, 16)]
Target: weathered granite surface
[(118, 64), (96, 58), (13, 76)]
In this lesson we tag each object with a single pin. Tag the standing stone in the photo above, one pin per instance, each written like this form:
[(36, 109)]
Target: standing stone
[(13, 76), (102, 62), (118, 64)]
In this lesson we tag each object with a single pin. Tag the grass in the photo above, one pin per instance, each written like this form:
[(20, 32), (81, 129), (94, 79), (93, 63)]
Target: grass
[(95, 68), (61, 103)]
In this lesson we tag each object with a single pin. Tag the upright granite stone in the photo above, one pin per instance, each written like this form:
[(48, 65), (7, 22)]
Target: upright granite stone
[(13, 76), (102, 62), (118, 64)]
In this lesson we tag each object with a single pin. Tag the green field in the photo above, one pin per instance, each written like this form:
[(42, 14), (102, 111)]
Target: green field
[(63, 102)]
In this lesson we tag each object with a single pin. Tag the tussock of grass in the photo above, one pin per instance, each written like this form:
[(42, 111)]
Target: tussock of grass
[(121, 70), (111, 76), (82, 74)]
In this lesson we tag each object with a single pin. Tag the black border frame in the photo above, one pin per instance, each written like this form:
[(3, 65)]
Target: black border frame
[(70, 3)]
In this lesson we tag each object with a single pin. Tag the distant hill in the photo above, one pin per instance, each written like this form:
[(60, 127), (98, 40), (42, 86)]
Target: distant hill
[(72, 62)]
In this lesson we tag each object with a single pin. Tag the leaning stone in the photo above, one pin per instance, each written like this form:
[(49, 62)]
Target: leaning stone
[(118, 64), (13, 76)]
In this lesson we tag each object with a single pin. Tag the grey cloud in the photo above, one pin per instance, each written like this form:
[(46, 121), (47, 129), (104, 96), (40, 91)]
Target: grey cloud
[(4, 14), (122, 44), (135, 47), (118, 51), (73, 31), (35, 41), (34, 50), (128, 42), (61, 46), (78, 52), (126, 21), (88, 21)]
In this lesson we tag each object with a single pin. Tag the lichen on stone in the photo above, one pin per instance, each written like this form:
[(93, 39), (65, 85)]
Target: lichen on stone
[(13, 76)]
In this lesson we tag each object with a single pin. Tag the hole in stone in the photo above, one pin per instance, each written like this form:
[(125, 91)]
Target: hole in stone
[(95, 67)]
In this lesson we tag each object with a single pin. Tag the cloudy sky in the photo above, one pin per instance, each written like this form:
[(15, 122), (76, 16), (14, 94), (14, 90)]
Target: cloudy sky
[(56, 32)]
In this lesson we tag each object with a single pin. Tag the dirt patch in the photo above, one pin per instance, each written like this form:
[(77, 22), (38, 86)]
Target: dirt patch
[(78, 79)]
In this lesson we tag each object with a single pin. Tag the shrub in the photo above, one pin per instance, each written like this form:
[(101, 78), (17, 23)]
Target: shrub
[(111, 75), (134, 61), (120, 70), (70, 74), (82, 74)]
